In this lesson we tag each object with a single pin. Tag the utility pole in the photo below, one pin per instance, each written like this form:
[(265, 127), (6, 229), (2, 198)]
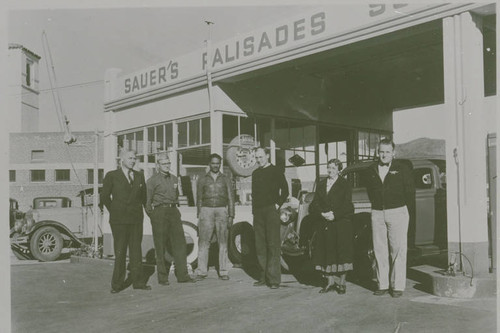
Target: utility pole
[(215, 145), (96, 209)]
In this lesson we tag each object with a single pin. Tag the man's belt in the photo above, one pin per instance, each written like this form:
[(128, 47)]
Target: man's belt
[(171, 205)]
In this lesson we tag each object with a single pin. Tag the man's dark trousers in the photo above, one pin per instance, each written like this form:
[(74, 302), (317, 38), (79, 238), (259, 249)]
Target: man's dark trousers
[(266, 223), (167, 226), (124, 234)]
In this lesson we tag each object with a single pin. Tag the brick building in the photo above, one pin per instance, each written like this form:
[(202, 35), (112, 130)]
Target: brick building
[(41, 164)]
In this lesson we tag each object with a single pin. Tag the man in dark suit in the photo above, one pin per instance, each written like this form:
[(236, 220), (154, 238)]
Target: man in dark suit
[(124, 195), (392, 195)]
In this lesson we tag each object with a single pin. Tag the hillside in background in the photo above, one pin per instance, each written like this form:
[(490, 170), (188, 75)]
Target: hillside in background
[(421, 147)]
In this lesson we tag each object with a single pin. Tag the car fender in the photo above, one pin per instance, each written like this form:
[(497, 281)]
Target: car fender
[(58, 225)]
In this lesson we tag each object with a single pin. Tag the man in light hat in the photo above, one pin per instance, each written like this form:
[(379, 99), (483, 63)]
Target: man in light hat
[(161, 206)]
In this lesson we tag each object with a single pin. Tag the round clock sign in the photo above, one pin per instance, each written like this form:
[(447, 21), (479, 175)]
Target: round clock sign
[(241, 155)]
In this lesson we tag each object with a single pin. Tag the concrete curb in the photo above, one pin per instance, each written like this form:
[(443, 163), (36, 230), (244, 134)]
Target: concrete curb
[(87, 260), (435, 282)]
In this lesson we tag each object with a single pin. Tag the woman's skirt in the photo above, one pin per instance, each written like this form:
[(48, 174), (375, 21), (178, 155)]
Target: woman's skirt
[(332, 246)]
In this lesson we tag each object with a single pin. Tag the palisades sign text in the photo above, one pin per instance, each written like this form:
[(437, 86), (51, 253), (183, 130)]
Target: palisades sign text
[(257, 43), (228, 52)]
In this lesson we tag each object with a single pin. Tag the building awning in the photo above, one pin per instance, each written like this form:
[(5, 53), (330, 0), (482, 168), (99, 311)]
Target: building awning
[(354, 85)]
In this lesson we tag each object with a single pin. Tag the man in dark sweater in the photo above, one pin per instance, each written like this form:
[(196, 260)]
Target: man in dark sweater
[(269, 192), (392, 195)]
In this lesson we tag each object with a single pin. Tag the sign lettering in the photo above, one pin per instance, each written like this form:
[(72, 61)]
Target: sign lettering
[(257, 43), (379, 9), (152, 78)]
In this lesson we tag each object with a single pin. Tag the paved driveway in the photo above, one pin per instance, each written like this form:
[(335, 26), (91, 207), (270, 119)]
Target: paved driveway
[(75, 297)]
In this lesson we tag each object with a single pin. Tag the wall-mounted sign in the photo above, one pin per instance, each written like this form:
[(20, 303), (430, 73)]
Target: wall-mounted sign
[(271, 39), (290, 34)]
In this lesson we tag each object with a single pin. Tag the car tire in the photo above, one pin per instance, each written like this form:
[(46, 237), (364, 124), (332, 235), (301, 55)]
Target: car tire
[(306, 235), (285, 268), (364, 258), (236, 248), (46, 244), (191, 235)]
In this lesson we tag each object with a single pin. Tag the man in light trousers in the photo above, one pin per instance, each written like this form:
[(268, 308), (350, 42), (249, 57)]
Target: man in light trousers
[(215, 203), (392, 195)]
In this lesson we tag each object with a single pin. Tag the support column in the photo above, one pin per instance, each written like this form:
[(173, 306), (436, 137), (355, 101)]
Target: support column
[(174, 155), (216, 138), (109, 140), (465, 141)]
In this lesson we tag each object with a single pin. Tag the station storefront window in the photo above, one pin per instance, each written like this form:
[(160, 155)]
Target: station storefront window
[(368, 144), (193, 146), (182, 129), (334, 143), (158, 138), (131, 141), (295, 152), (194, 132), (230, 125)]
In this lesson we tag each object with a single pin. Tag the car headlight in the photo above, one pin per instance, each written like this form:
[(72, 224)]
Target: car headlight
[(287, 215), (284, 216), (18, 225)]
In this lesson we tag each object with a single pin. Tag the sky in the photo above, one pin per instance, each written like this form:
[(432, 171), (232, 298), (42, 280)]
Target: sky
[(84, 42)]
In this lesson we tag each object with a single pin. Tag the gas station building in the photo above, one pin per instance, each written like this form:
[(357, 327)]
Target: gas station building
[(323, 85)]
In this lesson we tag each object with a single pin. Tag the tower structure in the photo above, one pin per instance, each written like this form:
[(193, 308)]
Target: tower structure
[(24, 89)]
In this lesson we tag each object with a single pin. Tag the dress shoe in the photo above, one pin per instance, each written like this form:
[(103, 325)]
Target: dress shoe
[(114, 291), (259, 283), (165, 283), (200, 277), (396, 293), (326, 289), (381, 292), (274, 286), (188, 280), (145, 287), (341, 289), (224, 277)]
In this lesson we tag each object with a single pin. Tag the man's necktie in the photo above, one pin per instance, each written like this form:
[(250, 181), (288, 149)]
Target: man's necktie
[(130, 176)]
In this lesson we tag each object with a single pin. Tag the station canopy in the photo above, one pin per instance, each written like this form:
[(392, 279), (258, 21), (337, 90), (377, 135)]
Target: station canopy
[(398, 70)]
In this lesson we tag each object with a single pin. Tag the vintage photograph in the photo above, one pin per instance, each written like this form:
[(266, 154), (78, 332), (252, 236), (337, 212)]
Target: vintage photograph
[(252, 167)]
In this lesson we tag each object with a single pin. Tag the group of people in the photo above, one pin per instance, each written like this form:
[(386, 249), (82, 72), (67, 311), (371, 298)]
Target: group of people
[(390, 188)]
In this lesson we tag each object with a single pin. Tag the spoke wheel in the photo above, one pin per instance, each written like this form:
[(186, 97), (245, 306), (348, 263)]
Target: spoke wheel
[(46, 244)]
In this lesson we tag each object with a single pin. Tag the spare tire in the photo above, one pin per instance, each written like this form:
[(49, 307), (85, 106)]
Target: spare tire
[(237, 248), (191, 235)]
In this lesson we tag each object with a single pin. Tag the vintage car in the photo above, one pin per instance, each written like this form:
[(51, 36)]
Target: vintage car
[(53, 227), (427, 233), (50, 226)]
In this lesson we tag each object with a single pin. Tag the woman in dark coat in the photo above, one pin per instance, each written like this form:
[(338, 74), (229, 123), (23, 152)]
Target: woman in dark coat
[(332, 211)]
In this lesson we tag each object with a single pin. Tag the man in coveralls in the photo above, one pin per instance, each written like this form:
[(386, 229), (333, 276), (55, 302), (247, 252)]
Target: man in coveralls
[(161, 206)]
